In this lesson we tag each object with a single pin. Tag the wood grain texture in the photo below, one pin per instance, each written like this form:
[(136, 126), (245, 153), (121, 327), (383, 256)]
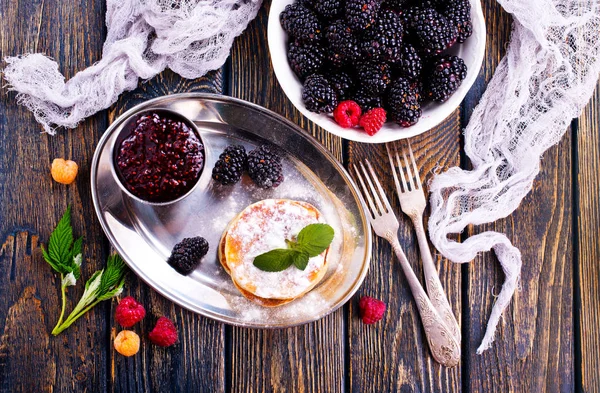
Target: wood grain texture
[(534, 349), (588, 226), (309, 358), (197, 361), (32, 203), (394, 354)]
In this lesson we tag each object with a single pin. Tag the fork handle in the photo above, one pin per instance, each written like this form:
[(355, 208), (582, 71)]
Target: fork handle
[(432, 280), (442, 343)]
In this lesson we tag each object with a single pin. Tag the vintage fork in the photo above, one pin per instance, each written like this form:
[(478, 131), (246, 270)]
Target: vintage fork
[(443, 344), (412, 202)]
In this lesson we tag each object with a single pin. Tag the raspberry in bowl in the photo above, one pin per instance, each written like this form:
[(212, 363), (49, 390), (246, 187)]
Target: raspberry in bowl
[(158, 156)]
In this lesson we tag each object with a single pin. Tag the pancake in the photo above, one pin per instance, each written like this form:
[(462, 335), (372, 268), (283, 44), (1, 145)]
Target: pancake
[(262, 227)]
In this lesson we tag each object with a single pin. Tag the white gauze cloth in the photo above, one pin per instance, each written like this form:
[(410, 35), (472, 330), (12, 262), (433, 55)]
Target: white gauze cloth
[(548, 75), (191, 37)]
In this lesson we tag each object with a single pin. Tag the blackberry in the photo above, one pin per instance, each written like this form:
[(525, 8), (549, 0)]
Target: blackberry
[(186, 254), (395, 5), (264, 167), (342, 44), (383, 41), (343, 85), (459, 13), (328, 9), (403, 103), (318, 94), (305, 58), (231, 165), (434, 33), (300, 22), (366, 100), (374, 77), (360, 14), (410, 64), (447, 74)]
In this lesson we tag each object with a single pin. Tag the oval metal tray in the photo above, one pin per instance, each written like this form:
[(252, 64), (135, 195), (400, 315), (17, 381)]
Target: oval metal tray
[(144, 234)]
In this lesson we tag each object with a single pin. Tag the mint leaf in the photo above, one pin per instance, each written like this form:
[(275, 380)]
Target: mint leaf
[(313, 239), (276, 260), (301, 260)]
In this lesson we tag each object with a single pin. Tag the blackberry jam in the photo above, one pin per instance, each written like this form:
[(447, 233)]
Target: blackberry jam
[(161, 158)]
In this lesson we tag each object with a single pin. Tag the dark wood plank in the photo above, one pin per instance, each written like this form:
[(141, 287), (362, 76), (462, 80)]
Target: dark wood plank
[(197, 361), (31, 359), (393, 355), (308, 358), (533, 350), (588, 226)]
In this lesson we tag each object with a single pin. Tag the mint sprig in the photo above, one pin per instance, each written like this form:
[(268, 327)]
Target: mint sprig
[(312, 240), (65, 257)]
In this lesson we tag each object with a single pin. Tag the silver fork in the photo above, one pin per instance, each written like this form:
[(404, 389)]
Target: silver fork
[(444, 346), (413, 202)]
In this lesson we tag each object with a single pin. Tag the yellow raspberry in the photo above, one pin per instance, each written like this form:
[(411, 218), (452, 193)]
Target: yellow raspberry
[(64, 171), (127, 343)]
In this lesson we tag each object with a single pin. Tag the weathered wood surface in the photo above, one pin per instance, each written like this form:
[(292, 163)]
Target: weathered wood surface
[(587, 268), (547, 341)]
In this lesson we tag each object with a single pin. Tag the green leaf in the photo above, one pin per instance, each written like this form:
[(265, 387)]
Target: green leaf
[(114, 273), (59, 245), (315, 238), (50, 260), (276, 260), (301, 260)]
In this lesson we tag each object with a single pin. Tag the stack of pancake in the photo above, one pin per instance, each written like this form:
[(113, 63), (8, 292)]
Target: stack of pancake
[(262, 227)]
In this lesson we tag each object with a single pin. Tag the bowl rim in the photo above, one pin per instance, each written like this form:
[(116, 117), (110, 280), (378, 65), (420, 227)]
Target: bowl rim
[(283, 71), (119, 138)]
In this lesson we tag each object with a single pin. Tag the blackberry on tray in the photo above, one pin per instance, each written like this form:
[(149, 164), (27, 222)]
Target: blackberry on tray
[(264, 167), (230, 166), (186, 254), (327, 9), (366, 100)]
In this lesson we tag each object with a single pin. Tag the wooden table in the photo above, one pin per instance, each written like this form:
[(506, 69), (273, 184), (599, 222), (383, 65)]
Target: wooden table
[(547, 341)]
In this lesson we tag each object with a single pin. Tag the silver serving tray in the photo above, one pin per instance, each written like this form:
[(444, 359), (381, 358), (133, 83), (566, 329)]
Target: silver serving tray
[(144, 234)]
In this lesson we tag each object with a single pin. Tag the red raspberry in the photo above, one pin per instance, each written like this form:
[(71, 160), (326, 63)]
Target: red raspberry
[(373, 120), (371, 310), (164, 333), (129, 312), (347, 114)]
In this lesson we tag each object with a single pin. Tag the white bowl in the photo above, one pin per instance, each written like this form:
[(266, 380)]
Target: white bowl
[(472, 52)]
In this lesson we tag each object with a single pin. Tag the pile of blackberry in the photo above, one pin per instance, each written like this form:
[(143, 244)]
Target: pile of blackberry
[(262, 164), (378, 53)]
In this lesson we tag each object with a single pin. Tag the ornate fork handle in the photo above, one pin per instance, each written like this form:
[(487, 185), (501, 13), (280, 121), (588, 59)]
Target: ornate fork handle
[(443, 344), (432, 280)]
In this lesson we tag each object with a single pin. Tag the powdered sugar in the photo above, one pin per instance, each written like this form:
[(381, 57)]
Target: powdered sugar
[(264, 227)]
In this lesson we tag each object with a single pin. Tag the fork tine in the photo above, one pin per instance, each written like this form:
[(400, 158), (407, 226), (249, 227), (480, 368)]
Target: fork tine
[(381, 192), (408, 171), (414, 162), (366, 193), (373, 190), (394, 172), (399, 164)]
